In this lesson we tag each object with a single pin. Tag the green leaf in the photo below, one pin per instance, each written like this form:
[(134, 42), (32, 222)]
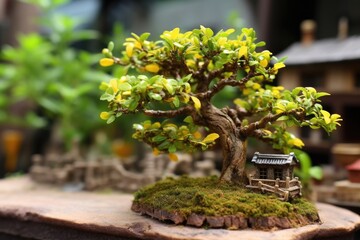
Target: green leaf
[(208, 32), (110, 119), (252, 63), (321, 94), (316, 172), (111, 46), (291, 106), (169, 88), (124, 86), (211, 45), (242, 103), (121, 70), (178, 45), (106, 96), (133, 104), (260, 44), (172, 148), (159, 138), (188, 119), (176, 101), (305, 160), (164, 145), (155, 96), (144, 36)]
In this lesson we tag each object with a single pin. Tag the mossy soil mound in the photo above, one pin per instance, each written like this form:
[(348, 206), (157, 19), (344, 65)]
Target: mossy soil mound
[(206, 202)]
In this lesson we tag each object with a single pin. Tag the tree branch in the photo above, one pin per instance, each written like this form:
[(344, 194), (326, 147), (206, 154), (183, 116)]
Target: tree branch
[(226, 82), (252, 127), (169, 113)]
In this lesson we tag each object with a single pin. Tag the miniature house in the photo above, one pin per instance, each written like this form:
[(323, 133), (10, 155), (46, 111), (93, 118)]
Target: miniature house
[(349, 190), (274, 166), (274, 173), (330, 65), (354, 172)]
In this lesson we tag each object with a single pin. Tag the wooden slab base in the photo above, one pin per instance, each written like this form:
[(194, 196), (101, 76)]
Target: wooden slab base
[(28, 210)]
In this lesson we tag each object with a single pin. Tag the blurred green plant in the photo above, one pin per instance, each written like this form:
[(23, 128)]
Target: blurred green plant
[(52, 76), (307, 172)]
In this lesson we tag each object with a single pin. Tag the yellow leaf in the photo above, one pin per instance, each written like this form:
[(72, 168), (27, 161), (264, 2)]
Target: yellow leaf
[(197, 135), (106, 62), (296, 142), (173, 157), (114, 85), (104, 115), (242, 51), (266, 132), (279, 107), (153, 67), (326, 115), (129, 49), (147, 125), (185, 98), (118, 98), (198, 56), (190, 63), (187, 88), (138, 44), (156, 152), (156, 125), (278, 65), (221, 41), (256, 86), (247, 91), (197, 103), (335, 117), (263, 63), (210, 138)]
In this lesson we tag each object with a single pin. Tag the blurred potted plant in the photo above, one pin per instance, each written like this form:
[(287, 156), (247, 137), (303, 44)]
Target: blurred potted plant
[(53, 80)]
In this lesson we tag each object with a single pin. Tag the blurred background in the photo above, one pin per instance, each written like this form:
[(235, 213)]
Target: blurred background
[(49, 74)]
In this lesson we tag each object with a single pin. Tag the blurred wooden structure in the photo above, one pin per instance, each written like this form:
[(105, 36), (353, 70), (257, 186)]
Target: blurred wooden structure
[(330, 65)]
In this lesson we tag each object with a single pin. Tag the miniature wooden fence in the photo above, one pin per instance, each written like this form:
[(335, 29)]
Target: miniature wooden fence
[(285, 189)]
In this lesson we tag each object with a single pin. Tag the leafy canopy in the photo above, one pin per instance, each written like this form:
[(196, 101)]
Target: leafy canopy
[(180, 74)]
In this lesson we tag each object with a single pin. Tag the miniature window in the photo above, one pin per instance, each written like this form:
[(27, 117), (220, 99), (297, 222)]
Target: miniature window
[(278, 174), (263, 173)]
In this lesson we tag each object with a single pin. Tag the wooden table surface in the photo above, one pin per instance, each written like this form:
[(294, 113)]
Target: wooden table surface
[(32, 211)]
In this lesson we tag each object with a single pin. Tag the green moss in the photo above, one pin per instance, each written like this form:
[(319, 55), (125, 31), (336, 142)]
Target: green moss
[(209, 197)]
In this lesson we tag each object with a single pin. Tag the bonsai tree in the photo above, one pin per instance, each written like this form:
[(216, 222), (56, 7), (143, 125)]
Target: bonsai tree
[(179, 76)]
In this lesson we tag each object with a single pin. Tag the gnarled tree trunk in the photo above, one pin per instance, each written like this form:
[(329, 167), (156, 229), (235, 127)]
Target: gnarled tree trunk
[(233, 147), (234, 161)]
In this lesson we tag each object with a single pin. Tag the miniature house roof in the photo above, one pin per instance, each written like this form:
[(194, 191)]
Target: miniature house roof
[(322, 51), (354, 166), (275, 159)]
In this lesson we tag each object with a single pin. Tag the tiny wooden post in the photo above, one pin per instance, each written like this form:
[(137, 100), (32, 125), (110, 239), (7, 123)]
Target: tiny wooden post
[(250, 179), (276, 188), (287, 182), (286, 195)]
